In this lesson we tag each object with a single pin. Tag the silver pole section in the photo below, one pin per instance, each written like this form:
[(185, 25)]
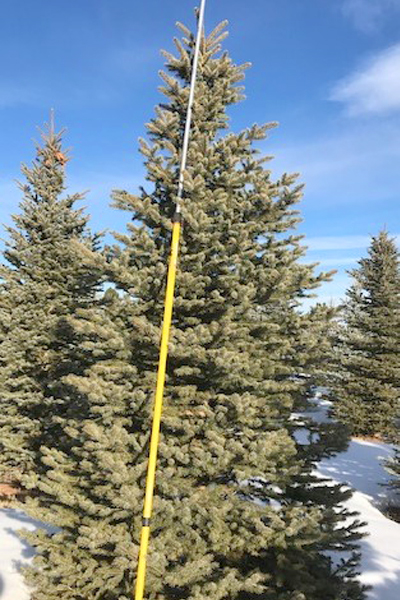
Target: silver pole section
[(190, 104)]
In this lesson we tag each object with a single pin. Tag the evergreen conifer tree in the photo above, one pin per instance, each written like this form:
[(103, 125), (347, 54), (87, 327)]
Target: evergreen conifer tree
[(312, 359), (393, 466), (237, 512), (42, 282), (367, 389)]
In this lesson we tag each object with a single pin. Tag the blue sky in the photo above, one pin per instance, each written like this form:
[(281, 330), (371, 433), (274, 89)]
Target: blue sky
[(327, 70)]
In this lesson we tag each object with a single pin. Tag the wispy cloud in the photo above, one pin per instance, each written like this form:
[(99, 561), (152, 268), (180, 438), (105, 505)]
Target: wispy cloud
[(9, 194), (17, 94), (331, 292), (334, 291), (335, 262), (60, 95), (338, 262), (374, 88), (132, 60), (103, 82), (342, 242), (101, 184), (356, 164), (369, 15)]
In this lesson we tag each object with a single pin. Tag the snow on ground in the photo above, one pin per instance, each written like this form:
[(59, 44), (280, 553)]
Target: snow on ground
[(14, 552), (360, 466)]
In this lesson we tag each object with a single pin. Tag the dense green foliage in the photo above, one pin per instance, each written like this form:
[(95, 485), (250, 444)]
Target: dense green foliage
[(237, 512), (367, 389), (43, 281)]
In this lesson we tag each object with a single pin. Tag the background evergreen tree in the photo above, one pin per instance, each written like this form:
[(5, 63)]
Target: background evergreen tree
[(367, 390), (312, 360), (89, 485), (238, 513), (393, 466), (42, 282)]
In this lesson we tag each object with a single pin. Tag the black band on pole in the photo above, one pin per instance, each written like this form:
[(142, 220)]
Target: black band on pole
[(177, 218), (146, 521)]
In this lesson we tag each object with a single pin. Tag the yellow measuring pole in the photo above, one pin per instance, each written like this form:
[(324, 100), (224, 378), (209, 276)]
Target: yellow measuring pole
[(166, 326), (151, 472)]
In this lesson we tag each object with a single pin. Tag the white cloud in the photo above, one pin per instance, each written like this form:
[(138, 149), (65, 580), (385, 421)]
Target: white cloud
[(330, 300), (10, 194), (17, 94), (341, 242), (57, 95), (368, 15), (132, 60), (356, 164), (375, 87), (83, 88), (100, 184), (337, 262)]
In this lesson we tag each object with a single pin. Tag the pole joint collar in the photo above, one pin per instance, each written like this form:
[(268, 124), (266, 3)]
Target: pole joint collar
[(177, 218)]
